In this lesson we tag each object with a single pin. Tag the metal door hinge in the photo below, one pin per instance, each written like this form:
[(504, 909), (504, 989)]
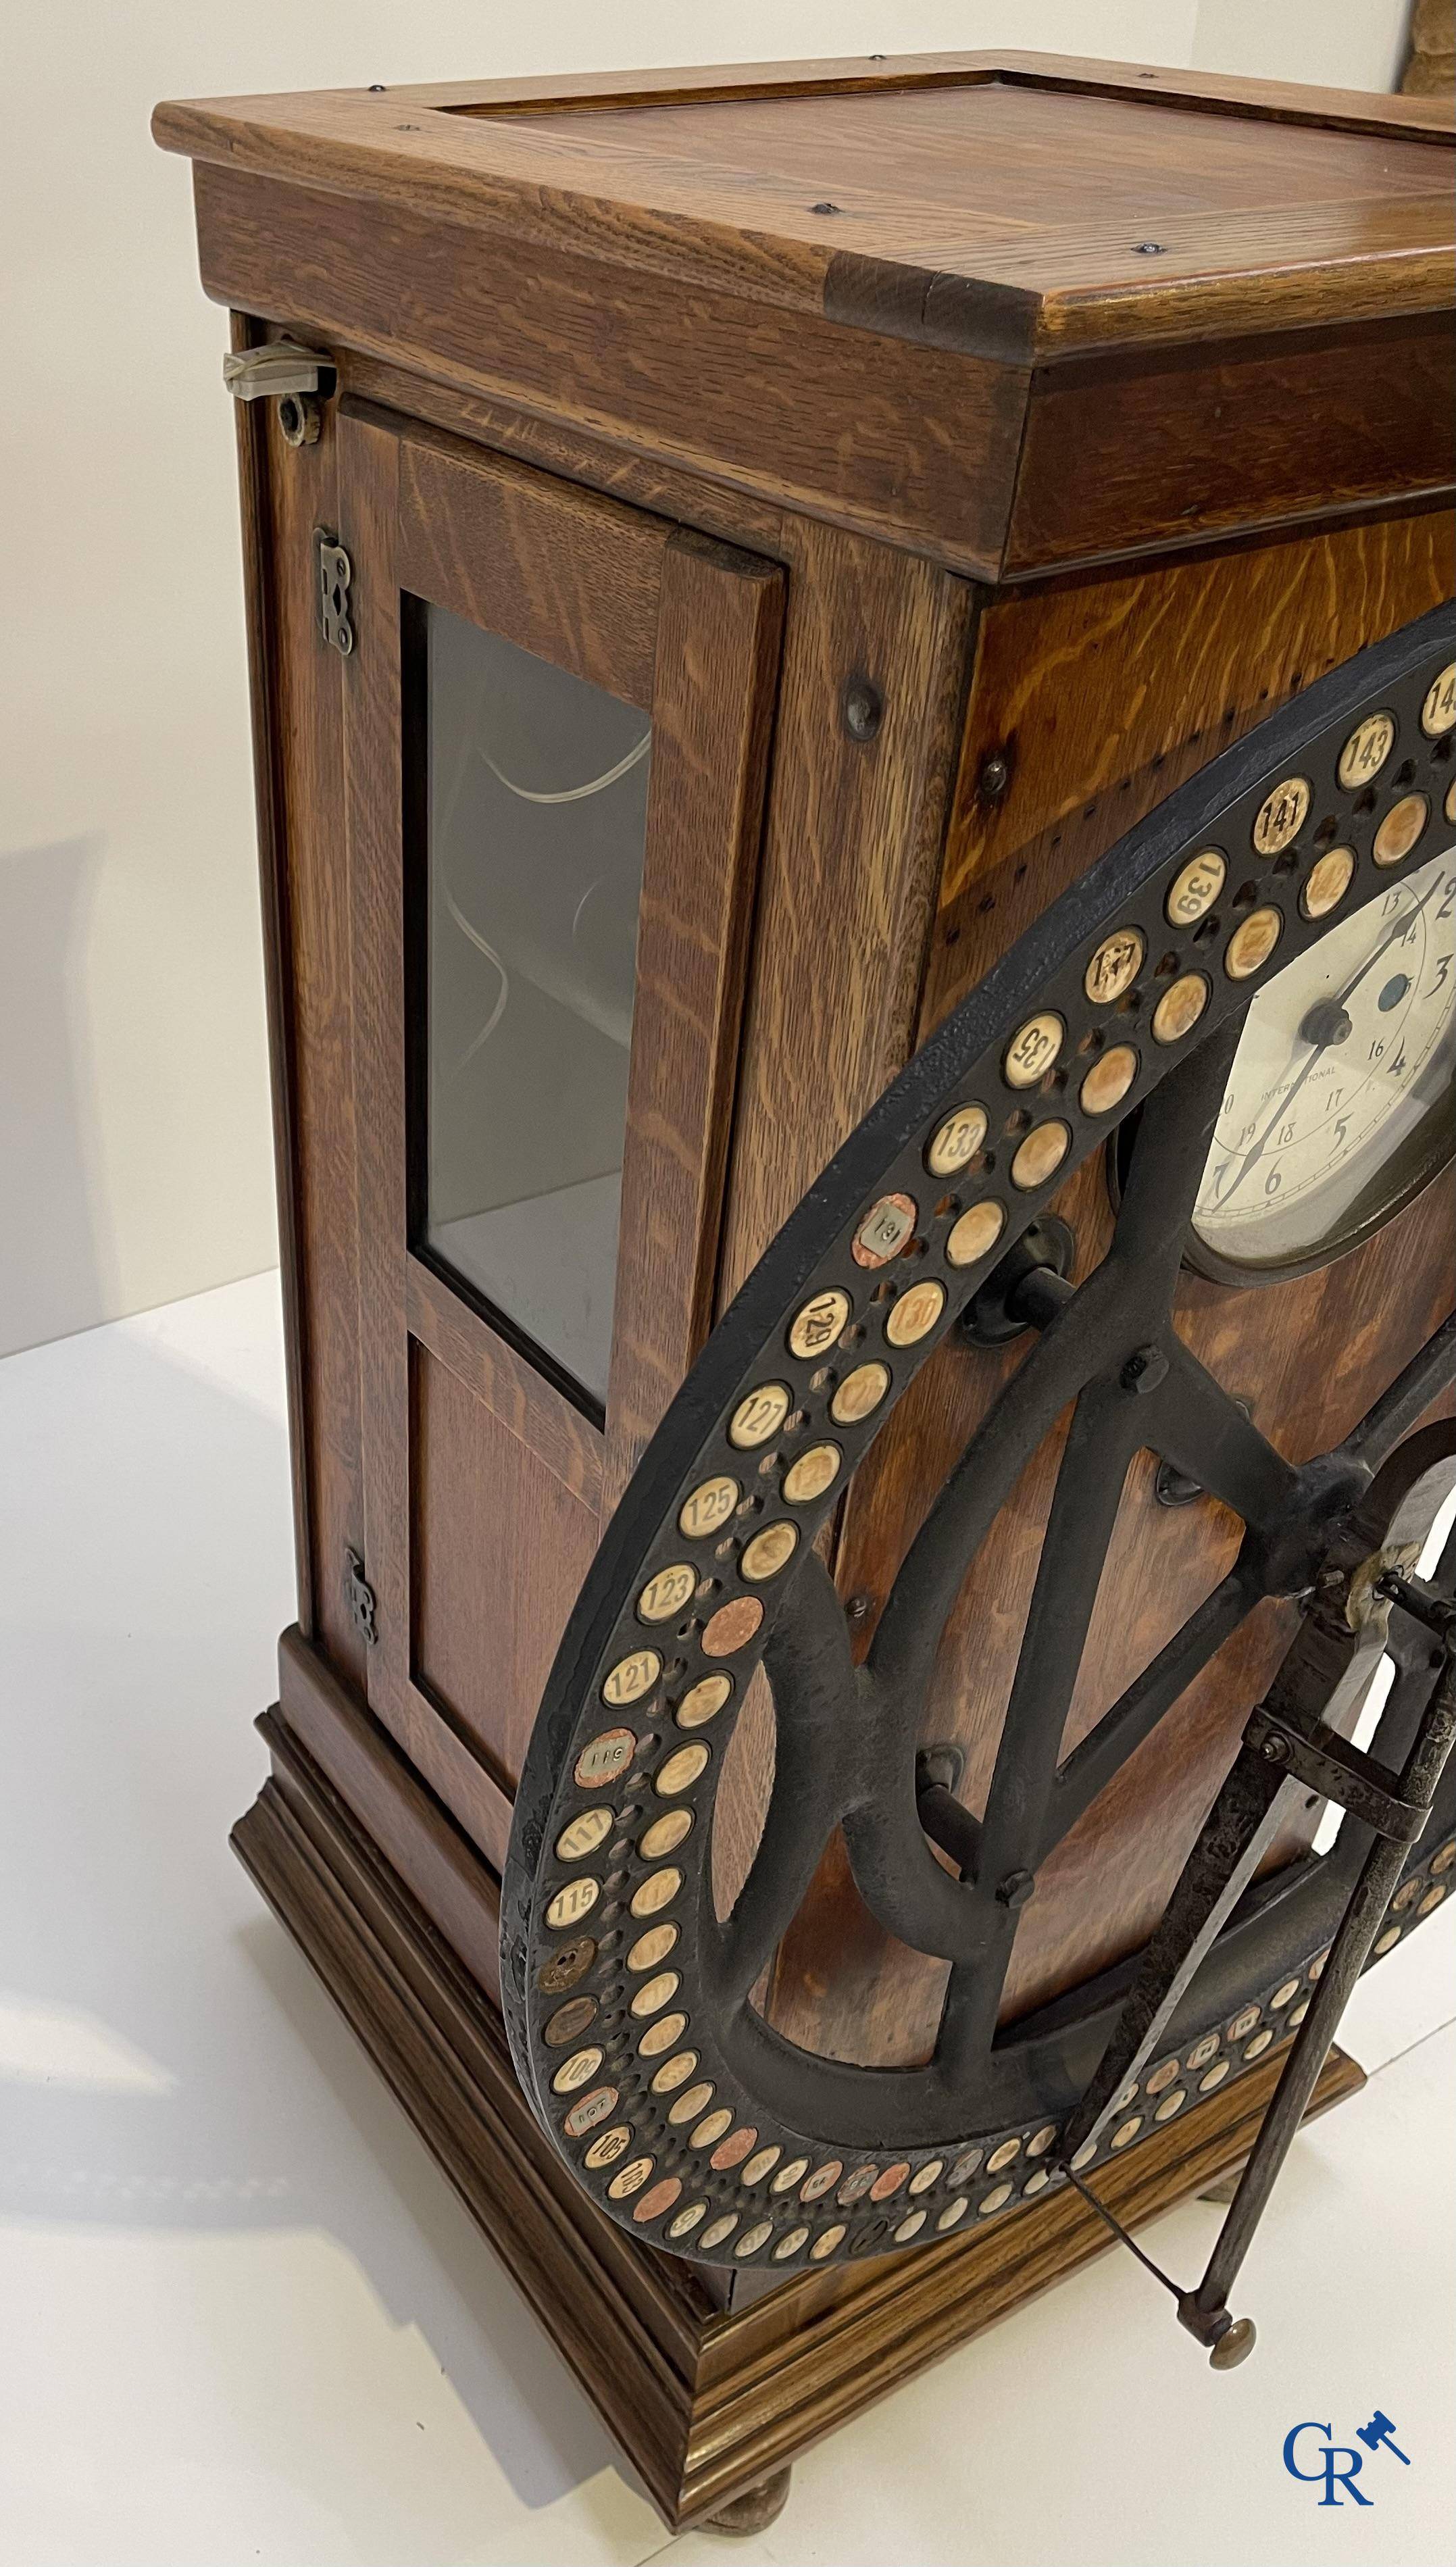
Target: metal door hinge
[(362, 1601), (299, 380), (335, 572)]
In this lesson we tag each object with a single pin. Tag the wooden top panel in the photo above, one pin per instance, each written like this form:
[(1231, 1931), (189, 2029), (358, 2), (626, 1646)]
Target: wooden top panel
[(941, 173), (1000, 204)]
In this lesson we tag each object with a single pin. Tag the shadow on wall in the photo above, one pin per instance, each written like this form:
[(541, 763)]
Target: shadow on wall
[(53, 1267)]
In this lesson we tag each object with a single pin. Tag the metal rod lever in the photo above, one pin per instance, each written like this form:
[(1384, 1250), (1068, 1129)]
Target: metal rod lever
[(1205, 2311), (1232, 2343)]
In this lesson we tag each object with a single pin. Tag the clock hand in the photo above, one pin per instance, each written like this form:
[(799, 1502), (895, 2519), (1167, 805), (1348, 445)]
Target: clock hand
[(1282, 1108), (1396, 937)]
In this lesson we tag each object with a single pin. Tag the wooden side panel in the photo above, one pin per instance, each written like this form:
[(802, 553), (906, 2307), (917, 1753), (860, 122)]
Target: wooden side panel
[(556, 448), (717, 661), (894, 438), (845, 901), (1116, 462), (498, 1547), (1100, 698), (443, 1868), (852, 849)]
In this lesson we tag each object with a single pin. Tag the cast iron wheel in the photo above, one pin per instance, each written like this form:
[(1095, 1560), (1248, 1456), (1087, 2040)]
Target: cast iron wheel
[(683, 2113)]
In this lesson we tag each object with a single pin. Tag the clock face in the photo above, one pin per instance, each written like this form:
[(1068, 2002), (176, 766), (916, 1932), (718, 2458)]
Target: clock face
[(1339, 1108)]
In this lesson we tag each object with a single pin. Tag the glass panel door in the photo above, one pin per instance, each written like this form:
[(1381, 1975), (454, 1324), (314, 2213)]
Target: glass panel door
[(546, 982), (536, 818)]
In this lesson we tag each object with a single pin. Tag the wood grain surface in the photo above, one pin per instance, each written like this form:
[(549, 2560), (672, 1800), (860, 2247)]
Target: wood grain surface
[(497, 1547), (849, 865), (887, 436), (718, 635), (802, 185), (444, 1870), (555, 570), (517, 1393), (1203, 442), (571, 456), (1100, 696)]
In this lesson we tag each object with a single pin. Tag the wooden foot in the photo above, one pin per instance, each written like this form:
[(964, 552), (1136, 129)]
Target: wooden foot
[(710, 2393), (754, 2511)]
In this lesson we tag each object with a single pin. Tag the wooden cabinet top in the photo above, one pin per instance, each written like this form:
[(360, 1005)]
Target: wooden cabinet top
[(1013, 207)]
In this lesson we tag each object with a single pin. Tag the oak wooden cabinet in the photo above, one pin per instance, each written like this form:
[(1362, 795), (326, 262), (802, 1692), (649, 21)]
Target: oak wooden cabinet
[(752, 539)]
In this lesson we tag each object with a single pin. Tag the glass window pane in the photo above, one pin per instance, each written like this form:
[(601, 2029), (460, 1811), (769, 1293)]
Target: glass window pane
[(537, 809)]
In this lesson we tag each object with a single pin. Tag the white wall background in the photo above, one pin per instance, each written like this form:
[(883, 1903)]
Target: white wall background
[(133, 1120)]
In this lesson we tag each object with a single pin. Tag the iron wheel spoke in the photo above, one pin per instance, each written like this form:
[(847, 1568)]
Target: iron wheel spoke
[(1201, 1429), (1084, 1507), (1093, 1761), (1431, 1370), (1166, 1164), (1078, 1531), (930, 1577), (1127, 1298)]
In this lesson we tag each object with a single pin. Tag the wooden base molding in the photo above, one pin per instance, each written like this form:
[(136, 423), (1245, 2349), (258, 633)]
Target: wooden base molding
[(709, 2400)]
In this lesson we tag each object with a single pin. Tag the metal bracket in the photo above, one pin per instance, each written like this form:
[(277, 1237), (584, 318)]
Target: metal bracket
[(298, 379), (1021, 1291), (1339, 1772), (362, 1601), (1435, 1613), (1279, 1748), (946, 1821), (334, 573), (1205, 2311)]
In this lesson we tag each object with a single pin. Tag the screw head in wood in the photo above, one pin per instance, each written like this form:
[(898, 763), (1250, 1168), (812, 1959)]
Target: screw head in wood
[(862, 707)]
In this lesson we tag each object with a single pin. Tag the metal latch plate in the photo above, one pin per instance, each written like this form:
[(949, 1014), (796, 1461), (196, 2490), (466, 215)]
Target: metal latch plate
[(334, 576), (266, 373)]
